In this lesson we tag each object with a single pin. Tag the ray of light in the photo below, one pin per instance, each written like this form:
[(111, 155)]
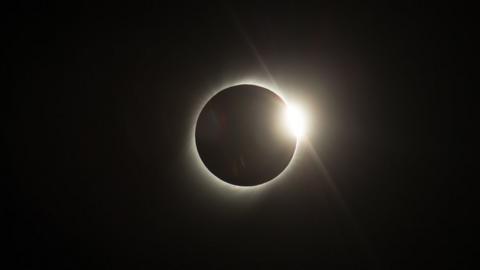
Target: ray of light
[(254, 49), (340, 201)]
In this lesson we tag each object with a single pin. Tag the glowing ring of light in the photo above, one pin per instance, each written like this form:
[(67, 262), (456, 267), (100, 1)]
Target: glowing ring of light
[(213, 179)]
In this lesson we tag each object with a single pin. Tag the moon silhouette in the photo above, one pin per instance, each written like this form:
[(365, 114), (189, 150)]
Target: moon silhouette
[(241, 135)]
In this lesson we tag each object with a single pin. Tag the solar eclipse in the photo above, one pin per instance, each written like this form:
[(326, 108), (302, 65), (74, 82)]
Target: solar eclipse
[(246, 135)]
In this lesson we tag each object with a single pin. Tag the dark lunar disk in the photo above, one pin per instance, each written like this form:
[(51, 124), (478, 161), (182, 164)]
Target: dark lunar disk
[(241, 135)]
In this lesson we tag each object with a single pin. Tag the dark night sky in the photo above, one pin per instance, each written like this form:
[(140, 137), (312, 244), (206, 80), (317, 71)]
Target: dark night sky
[(99, 118)]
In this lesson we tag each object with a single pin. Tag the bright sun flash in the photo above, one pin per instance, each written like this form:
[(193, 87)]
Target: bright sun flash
[(295, 120)]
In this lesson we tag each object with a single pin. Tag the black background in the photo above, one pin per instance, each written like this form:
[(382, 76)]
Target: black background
[(99, 122)]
